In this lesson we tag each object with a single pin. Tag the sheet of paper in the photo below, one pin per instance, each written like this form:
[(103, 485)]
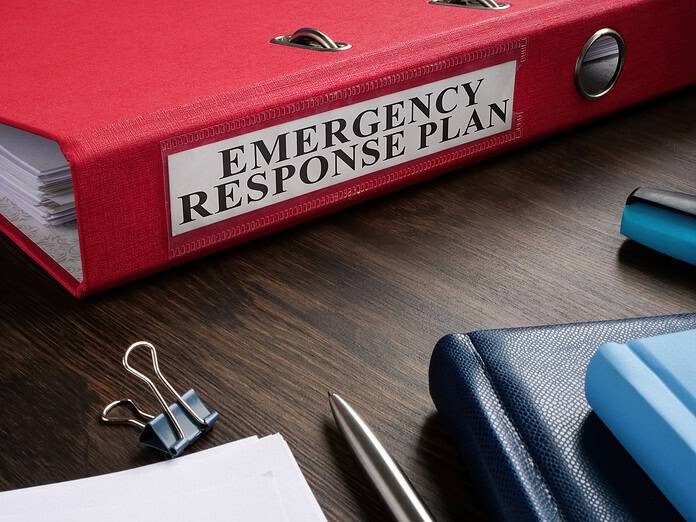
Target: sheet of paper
[(276, 455), (34, 153), (136, 484), (35, 176), (253, 500), (260, 476)]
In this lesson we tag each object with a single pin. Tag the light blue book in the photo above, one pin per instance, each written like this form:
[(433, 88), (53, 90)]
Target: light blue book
[(645, 392)]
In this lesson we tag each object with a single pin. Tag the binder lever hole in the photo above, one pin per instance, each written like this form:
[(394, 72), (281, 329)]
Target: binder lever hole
[(310, 38)]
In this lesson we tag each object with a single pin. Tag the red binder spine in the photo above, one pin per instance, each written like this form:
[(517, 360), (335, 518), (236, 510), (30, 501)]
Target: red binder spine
[(379, 110), (138, 213)]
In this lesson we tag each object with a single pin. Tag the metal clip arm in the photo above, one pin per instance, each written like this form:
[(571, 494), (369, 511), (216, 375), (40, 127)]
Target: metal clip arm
[(162, 378), (179, 425), (125, 420)]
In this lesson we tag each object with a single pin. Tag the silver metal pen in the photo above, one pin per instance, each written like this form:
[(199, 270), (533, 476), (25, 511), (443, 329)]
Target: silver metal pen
[(385, 473)]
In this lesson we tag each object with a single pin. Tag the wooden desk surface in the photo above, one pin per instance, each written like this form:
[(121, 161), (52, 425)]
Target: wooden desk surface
[(352, 302)]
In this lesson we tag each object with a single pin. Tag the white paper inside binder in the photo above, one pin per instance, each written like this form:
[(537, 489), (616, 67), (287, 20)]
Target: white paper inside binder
[(36, 195), (605, 47)]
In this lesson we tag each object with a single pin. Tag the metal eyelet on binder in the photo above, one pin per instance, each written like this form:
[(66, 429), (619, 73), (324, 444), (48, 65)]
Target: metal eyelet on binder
[(178, 426), (599, 64), (473, 4), (312, 39)]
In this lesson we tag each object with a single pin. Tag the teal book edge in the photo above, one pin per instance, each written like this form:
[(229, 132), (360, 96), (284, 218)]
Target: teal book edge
[(662, 220), (645, 393)]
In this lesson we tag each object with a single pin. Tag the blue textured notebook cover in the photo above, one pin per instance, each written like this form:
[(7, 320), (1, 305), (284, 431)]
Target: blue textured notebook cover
[(514, 402), (645, 392)]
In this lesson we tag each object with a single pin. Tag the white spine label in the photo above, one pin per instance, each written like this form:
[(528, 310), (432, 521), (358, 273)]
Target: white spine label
[(231, 177)]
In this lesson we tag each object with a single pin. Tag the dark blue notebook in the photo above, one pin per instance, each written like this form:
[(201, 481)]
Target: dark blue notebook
[(514, 402)]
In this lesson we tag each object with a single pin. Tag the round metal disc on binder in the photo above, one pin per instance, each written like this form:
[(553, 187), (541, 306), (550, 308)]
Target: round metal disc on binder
[(473, 4), (599, 64), (310, 38)]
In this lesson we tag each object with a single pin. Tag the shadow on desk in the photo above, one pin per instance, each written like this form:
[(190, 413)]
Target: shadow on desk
[(665, 269), (356, 481), (454, 482), (439, 465)]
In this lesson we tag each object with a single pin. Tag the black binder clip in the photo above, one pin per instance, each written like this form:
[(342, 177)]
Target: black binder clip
[(178, 426)]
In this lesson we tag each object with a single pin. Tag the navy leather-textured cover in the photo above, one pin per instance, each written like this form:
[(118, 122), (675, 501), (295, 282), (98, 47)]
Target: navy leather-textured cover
[(514, 401)]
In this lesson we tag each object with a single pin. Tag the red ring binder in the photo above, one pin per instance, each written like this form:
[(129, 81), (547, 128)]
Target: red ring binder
[(120, 110)]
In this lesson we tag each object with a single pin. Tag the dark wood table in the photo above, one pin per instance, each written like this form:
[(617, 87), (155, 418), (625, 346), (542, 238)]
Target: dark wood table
[(352, 302)]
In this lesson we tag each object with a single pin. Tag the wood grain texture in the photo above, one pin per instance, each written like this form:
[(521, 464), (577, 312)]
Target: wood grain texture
[(353, 302)]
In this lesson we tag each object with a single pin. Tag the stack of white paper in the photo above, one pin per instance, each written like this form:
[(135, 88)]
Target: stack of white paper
[(35, 176), (249, 480)]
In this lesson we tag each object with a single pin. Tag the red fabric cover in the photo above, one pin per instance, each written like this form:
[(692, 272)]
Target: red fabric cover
[(112, 81)]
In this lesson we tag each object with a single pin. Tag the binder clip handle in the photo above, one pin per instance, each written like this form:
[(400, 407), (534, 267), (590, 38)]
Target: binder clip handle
[(160, 399), (178, 426)]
